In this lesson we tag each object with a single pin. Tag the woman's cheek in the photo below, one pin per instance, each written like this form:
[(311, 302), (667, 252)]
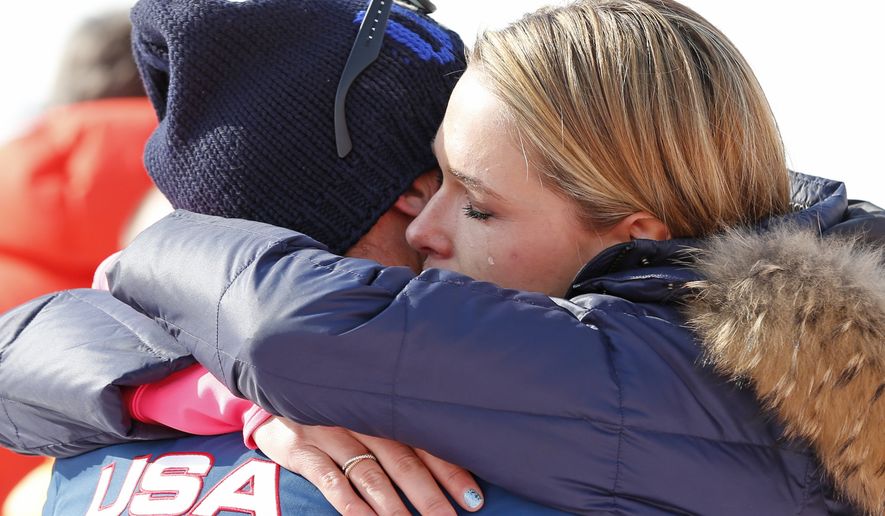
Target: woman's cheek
[(501, 259)]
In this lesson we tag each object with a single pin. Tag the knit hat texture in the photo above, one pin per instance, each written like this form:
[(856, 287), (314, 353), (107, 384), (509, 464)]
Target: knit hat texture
[(245, 94)]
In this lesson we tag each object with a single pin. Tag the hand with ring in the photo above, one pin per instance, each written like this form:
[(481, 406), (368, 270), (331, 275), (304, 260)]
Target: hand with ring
[(341, 463)]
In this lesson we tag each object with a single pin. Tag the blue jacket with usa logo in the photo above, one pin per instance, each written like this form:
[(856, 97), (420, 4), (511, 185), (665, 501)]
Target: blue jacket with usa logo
[(644, 393), (202, 476)]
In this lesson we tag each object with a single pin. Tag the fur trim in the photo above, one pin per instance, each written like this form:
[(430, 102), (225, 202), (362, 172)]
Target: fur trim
[(802, 319)]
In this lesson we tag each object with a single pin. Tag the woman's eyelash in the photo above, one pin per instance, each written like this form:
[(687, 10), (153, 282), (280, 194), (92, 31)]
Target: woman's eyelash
[(473, 213)]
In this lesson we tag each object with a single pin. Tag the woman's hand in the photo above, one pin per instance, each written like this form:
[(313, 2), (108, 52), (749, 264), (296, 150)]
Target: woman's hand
[(318, 452)]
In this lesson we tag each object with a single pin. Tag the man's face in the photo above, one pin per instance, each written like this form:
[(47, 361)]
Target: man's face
[(386, 242)]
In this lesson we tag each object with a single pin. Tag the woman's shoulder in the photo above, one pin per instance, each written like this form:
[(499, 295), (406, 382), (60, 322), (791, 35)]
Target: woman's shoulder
[(800, 317)]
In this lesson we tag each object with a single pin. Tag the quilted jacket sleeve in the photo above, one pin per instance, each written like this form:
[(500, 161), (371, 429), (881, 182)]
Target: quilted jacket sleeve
[(466, 370), (63, 359)]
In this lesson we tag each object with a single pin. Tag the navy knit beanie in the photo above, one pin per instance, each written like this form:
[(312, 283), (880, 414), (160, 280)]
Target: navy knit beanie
[(245, 93)]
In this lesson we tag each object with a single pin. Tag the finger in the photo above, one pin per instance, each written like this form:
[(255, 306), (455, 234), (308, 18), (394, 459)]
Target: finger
[(410, 474), (371, 481), (459, 483), (288, 444), (367, 477), (320, 470)]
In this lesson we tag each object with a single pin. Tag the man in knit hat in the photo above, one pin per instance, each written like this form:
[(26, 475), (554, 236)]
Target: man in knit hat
[(246, 93), (246, 96)]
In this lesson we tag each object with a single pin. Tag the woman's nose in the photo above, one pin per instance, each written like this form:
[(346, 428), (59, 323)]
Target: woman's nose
[(428, 234)]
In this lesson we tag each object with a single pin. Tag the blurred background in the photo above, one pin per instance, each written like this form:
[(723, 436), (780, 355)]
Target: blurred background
[(815, 60)]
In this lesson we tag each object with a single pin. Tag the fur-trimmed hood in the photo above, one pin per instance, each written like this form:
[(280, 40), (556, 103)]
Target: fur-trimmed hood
[(801, 318)]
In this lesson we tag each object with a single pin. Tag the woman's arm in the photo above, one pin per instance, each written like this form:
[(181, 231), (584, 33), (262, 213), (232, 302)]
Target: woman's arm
[(195, 402), (64, 359), (506, 384)]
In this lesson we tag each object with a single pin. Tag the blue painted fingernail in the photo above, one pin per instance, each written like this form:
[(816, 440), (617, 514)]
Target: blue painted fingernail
[(472, 498)]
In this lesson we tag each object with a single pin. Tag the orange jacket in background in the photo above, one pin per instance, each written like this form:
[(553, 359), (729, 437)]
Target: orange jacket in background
[(68, 187)]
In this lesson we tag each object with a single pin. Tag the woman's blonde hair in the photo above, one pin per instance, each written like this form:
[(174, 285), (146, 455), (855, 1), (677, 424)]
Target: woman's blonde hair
[(639, 105)]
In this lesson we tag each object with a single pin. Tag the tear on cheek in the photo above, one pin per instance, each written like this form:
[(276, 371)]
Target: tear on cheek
[(491, 260)]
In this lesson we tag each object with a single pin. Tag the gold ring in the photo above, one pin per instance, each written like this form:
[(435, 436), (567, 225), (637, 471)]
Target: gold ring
[(353, 461)]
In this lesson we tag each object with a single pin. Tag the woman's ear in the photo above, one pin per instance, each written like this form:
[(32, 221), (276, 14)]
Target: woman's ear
[(641, 225), (413, 200)]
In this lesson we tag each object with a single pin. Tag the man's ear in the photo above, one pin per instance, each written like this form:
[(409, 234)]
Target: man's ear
[(413, 200), (640, 225)]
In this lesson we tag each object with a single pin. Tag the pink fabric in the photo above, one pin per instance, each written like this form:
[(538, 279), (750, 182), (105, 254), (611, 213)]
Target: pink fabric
[(100, 278), (194, 401), (252, 419)]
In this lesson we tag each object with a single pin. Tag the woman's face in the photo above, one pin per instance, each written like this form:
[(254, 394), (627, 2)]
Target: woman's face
[(492, 218)]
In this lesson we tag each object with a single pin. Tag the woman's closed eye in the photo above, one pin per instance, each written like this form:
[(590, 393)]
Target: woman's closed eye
[(473, 213)]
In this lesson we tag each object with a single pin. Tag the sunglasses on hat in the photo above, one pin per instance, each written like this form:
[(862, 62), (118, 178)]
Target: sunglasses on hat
[(364, 52)]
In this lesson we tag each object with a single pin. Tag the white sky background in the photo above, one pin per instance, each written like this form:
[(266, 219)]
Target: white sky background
[(816, 61)]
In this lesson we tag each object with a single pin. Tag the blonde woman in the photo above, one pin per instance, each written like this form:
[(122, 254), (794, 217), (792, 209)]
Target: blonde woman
[(619, 154)]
